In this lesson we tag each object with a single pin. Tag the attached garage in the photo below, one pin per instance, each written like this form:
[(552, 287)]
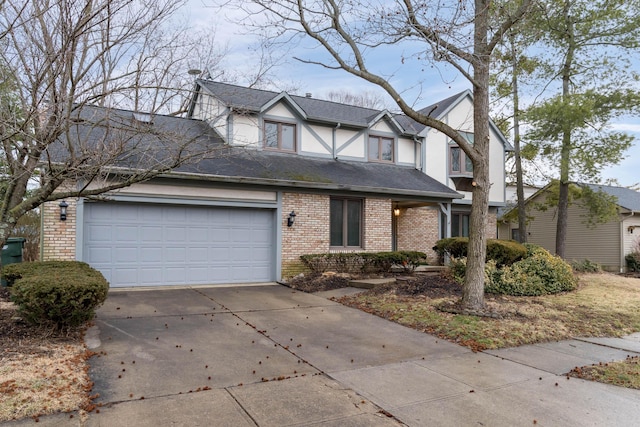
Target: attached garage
[(146, 244)]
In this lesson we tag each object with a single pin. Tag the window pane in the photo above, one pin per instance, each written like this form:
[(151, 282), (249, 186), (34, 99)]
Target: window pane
[(468, 166), (336, 222), (288, 137), (374, 148), (271, 135), (468, 136), (455, 159), (353, 222), (455, 225), (387, 149), (465, 225)]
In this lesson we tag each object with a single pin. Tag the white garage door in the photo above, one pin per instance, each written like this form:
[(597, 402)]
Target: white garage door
[(150, 245)]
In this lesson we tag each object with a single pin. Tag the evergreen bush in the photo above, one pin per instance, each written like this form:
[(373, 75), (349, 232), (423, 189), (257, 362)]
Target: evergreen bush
[(60, 293)]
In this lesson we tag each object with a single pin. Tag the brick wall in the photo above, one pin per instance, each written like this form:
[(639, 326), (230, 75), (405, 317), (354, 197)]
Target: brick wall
[(310, 233), (418, 230), (377, 225), (58, 237)]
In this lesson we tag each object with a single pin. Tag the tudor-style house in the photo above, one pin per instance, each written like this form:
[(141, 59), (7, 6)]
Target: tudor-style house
[(298, 175)]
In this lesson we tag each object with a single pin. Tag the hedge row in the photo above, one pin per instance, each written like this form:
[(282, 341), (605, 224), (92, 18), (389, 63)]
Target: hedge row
[(60, 293), (503, 252), (363, 262)]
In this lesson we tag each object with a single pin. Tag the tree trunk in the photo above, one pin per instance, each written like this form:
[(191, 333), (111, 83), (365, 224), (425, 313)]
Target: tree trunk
[(565, 151), (473, 292), (522, 214)]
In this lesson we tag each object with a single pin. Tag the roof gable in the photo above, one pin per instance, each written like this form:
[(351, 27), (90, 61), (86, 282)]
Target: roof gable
[(318, 110)]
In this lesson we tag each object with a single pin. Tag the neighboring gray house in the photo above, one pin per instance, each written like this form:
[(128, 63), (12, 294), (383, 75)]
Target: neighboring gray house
[(293, 175), (606, 244)]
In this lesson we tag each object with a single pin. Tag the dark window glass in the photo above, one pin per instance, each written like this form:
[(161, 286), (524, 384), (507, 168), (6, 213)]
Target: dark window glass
[(336, 222), (353, 222), (345, 226), (459, 225)]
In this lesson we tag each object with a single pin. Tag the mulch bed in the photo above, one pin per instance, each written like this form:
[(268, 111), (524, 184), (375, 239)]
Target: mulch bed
[(19, 337), (431, 285)]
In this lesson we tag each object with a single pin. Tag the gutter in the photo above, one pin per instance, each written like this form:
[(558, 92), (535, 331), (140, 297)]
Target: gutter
[(308, 185)]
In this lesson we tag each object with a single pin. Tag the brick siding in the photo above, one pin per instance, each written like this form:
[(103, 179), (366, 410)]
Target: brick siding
[(418, 230), (58, 237), (310, 233)]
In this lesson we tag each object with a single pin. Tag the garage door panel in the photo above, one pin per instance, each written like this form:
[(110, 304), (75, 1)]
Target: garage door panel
[(125, 233), (125, 276), (100, 254), (126, 255), (150, 255), (150, 233), (149, 245)]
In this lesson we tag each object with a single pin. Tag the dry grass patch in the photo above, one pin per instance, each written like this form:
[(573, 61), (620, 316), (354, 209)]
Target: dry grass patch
[(603, 305), (41, 371), (623, 374)]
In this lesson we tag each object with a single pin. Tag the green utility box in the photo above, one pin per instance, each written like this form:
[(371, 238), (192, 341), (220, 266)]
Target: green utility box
[(12, 252)]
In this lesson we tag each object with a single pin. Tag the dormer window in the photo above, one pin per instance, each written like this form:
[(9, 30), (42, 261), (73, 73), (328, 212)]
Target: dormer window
[(459, 163), (381, 148), (143, 118), (279, 136)]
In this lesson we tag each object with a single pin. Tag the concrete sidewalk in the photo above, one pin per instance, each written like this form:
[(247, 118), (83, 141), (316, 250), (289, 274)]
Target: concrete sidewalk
[(272, 356)]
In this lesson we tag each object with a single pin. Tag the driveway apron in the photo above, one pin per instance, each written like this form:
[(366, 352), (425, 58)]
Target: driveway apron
[(271, 356)]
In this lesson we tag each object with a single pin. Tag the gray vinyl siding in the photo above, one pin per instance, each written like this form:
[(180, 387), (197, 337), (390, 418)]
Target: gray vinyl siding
[(600, 244)]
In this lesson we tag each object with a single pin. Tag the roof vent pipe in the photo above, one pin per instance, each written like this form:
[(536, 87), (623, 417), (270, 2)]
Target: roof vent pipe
[(307, 95)]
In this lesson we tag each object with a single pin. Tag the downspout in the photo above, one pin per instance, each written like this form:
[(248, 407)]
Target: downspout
[(334, 154), (418, 154), (230, 126)]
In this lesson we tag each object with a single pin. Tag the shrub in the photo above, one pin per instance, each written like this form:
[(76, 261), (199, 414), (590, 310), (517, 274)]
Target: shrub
[(61, 293), (539, 274), (533, 249), (503, 252), (13, 272), (633, 261), (454, 247), (586, 266), (363, 262), (458, 270)]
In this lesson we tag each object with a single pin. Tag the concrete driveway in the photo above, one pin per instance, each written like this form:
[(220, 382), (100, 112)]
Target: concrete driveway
[(271, 356)]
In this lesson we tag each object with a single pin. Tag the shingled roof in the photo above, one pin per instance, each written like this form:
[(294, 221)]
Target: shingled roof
[(220, 162), (627, 198), (255, 100)]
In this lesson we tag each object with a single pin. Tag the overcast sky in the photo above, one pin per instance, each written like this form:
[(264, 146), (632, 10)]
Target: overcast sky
[(422, 86)]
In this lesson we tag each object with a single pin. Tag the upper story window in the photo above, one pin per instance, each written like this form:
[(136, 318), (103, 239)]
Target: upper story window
[(381, 148), (459, 163), (280, 136)]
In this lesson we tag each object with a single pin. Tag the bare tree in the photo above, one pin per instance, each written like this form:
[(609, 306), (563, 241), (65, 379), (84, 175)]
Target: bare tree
[(462, 33), (367, 99), (64, 66)]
